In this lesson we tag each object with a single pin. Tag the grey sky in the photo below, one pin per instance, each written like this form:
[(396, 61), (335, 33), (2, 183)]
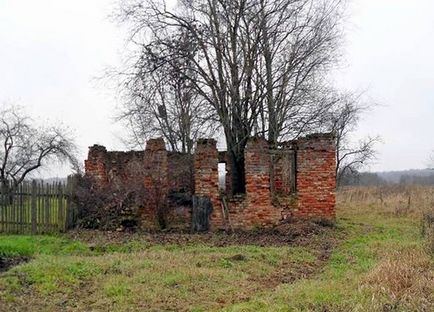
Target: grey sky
[(51, 49)]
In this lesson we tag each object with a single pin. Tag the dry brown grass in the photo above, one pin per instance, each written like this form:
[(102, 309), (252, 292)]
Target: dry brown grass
[(428, 230), (406, 278), (398, 200)]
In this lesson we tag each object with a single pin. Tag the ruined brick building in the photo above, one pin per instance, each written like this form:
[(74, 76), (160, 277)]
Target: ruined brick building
[(295, 180)]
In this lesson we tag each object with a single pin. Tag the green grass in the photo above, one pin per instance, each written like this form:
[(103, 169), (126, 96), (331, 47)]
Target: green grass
[(21, 245), (139, 276)]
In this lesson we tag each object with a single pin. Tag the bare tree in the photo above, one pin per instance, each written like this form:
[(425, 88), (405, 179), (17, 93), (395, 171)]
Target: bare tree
[(159, 101), (260, 66), (27, 148), (343, 121)]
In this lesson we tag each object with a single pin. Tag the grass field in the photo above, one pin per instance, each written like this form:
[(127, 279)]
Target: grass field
[(375, 259)]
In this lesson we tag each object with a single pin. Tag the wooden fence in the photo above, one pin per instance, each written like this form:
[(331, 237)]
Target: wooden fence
[(36, 207)]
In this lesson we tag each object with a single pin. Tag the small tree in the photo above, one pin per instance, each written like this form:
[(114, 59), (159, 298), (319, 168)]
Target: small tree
[(27, 147)]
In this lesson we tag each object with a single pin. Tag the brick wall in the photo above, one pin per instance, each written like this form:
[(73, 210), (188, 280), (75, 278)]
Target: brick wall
[(206, 181), (112, 167), (180, 172), (150, 169), (295, 180), (96, 163), (316, 177), (259, 210), (283, 170), (155, 165)]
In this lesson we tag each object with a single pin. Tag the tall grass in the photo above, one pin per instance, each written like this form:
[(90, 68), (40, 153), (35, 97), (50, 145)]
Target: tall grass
[(399, 200)]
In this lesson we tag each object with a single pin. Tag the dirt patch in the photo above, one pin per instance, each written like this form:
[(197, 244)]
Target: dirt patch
[(8, 262), (321, 246), (289, 233)]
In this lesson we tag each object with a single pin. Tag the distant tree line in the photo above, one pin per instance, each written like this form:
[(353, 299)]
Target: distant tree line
[(361, 179), (411, 177), (421, 180)]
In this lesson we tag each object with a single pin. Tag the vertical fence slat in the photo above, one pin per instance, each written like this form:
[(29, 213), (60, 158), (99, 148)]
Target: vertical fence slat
[(33, 207), (53, 209), (37, 207), (2, 210), (28, 201), (6, 213), (70, 207), (47, 209), (7, 208), (25, 204), (23, 208), (20, 205), (68, 203), (14, 213), (52, 212), (60, 208), (41, 208)]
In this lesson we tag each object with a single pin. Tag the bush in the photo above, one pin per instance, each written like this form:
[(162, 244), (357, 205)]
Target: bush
[(107, 207)]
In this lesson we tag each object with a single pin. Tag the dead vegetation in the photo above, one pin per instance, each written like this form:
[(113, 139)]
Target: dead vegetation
[(295, 233), (396, 199), (404, 277)]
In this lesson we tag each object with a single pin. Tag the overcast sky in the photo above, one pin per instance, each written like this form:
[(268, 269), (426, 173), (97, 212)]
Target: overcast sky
[(51, 51)]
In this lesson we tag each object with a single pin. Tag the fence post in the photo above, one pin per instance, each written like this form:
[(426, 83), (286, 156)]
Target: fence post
[(61, 213), (34, 208), (70, 205), (47, 198), (2, 210)]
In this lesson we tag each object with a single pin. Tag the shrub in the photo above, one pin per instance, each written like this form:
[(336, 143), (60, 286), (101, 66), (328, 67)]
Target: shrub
[(107, 207)]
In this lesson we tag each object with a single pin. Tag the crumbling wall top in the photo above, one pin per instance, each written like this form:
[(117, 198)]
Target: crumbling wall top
[(156, 145), (97, 151), (318, 141)]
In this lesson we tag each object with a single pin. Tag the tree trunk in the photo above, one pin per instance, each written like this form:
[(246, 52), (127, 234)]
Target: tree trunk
[(237, 173), (6, 192)]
